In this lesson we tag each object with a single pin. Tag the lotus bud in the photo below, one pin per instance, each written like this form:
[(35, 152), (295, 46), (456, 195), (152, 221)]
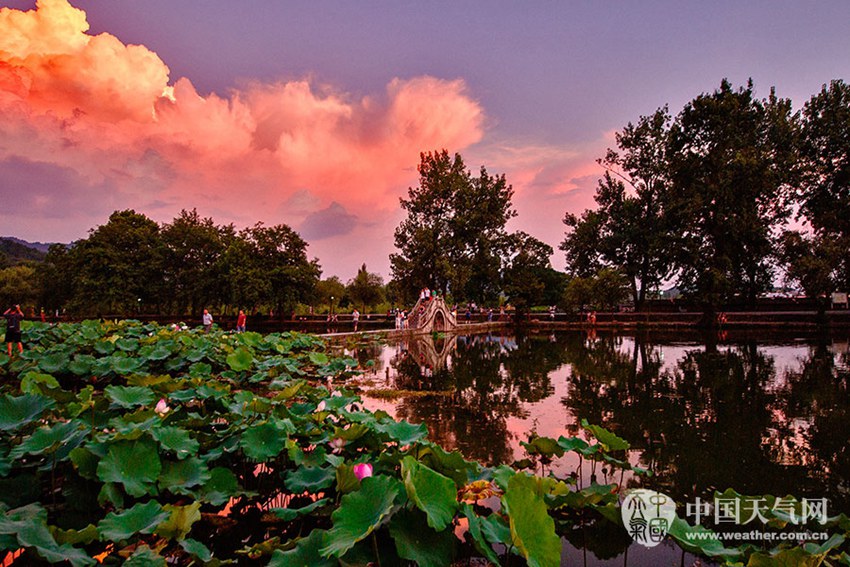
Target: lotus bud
[(337, 443), (162, 407), (321, 406), (362, 470)]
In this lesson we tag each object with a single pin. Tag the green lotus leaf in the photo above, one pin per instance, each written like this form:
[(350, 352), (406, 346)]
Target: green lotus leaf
[(85, 536), (318, 358), (403, 432), (307, 552), (310, 479), (359, 513), (545, 446), (156, 353), (179, 523), (181, 475), (36, 383), (134, 464), (62, 437), (701, 540), (433, 493), (104, 347), (81, 365), (263, 442), (196, 549), (479, 539), (36, 536), (289, 514), (111, 493), (240, 359), (54, 363), (451, 464), (130, 396), (177, 440), (532, 528), (221, 486), (144, 556), (352, 432), (141, 518), (127, 345), (15, 412), (609, 441), (5, 464), (424, 546), (200, 370), (124, 364)]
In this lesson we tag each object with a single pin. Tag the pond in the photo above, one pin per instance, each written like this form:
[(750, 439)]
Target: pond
[(763, 414)]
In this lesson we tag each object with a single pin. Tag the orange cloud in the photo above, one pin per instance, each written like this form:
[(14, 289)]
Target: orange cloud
[(109, 114)]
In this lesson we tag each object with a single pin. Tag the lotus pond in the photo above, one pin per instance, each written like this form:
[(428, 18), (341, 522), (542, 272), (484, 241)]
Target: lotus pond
[(134, 444)]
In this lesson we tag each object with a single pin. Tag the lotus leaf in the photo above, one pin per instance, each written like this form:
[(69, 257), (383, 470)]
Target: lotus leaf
[(200, 370), (433, 493), (306, 552), (403, 432), (45, 440), (360, 513), (532, 529), (37, 383), (134, 464), (127, 345), (16, 412), (289, 514), (476, 531), (81, 365), (240, 359), (54, 363), (104, 347), (179, 523), (318, 358), (545, 446), (141, 518), (609, 441), (178, 477), (85, 536), (263, 442), (124, 364), (691, 539), (157, 353), (130, 396), (414, 542), (5, 465), (177, 440), (309, 479), (196, 549), (144, 556), (221, 486)]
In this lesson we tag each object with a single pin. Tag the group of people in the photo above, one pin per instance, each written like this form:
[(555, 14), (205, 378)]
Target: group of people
[(241, 321)]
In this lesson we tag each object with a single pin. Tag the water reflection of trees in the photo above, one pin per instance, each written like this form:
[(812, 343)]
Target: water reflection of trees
[(718, 418), (485, 380)]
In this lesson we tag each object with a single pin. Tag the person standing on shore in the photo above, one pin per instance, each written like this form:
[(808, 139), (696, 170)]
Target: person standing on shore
[(241, 321), (14, 315), (208, 321)]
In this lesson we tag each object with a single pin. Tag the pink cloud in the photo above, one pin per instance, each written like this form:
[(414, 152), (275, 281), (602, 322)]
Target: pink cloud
[(108, 115)]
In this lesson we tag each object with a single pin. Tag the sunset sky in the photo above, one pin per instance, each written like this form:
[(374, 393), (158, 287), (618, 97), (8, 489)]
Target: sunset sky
[(313, 114)]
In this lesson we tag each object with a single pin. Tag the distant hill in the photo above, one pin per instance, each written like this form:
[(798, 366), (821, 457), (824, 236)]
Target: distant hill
[(15, 250)]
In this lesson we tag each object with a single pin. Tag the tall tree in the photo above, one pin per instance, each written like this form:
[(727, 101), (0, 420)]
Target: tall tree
[(119, 267), (366, 289), (280, 255), (527, 275), (628, 230), (193, 247), (731, 162), (825, 192), (454, 237)]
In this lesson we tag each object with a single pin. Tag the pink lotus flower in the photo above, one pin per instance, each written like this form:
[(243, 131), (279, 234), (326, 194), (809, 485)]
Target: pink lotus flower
[(162, 407), (337, 443), (362, 470), (321, 406)]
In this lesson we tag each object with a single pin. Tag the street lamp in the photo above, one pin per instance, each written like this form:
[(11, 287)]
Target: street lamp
[(332, 308)]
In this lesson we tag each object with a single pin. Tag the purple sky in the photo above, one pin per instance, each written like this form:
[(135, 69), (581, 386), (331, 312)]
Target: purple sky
[(543, 86)]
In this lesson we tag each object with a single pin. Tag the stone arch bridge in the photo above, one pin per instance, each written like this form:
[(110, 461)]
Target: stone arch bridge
[(430, 315)]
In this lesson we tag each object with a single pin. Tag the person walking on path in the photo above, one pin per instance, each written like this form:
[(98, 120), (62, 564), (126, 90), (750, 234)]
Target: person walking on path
[(14, 315), (241, 321), (208, 321)]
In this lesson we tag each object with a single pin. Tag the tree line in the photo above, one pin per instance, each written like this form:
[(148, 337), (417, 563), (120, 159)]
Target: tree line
[(724, 199)]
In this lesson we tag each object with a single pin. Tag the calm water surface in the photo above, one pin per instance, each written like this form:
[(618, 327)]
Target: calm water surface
[(764, 415)]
